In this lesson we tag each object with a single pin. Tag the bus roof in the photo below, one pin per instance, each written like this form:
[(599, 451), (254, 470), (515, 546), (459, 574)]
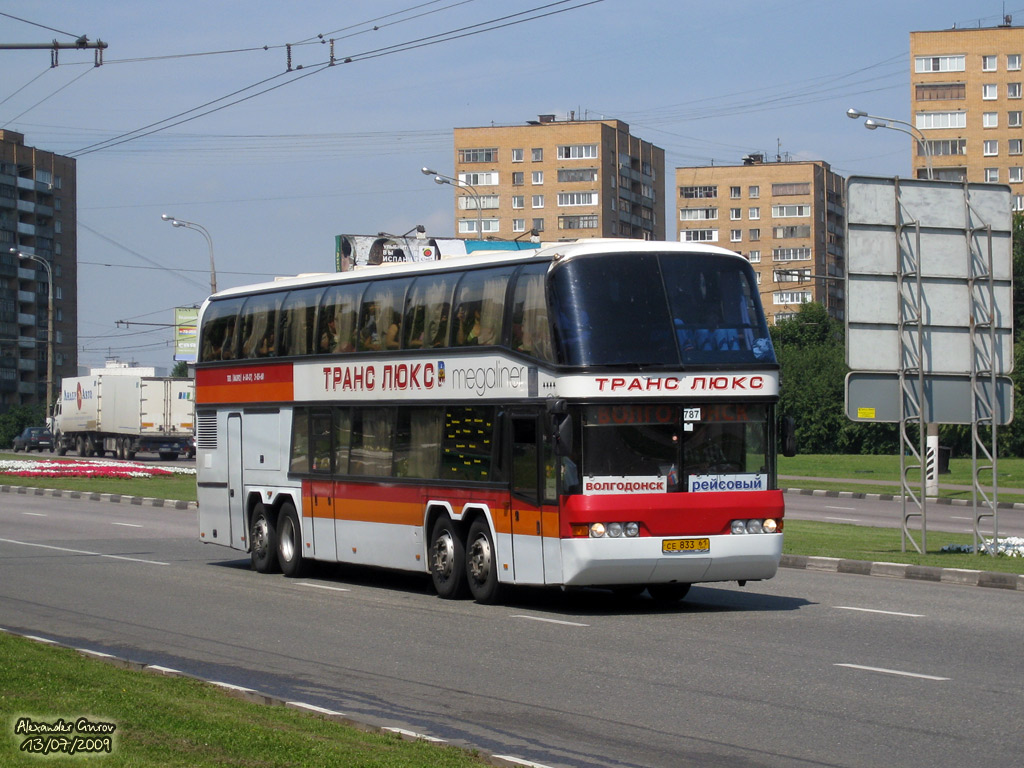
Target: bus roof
[(559, 251)]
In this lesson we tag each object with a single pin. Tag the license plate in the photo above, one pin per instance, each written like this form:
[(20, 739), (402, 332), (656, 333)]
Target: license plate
[(678, 546)]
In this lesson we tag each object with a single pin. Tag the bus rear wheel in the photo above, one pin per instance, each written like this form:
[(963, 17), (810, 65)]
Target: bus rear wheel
[(668, 593), (263, 541), (289, 542), (447, 560), (481, 563)]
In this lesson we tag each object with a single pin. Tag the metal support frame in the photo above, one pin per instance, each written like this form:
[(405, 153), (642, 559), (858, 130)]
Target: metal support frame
[(981, 284), (911, 319)]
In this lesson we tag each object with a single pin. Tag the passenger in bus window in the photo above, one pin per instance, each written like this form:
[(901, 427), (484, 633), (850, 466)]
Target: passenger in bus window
[(469, 326), (228, 348), (329, 338)]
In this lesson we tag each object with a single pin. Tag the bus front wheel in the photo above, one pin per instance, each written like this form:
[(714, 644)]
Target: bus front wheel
[(263, 541), (447, 560), (481, 563), (289, 542)]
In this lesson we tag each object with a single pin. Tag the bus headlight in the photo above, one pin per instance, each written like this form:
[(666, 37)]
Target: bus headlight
[(632, 530), (754, 526), (738, 527), (596, 530), (769, 526), (615, 530)]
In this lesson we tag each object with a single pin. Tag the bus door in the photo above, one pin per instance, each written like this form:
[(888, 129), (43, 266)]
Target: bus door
[(236, 500), (320, 512), (526, 453)]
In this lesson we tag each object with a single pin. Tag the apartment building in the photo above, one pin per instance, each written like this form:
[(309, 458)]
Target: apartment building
[(787, 218), (966, 97), (563, 179), (37, 218)]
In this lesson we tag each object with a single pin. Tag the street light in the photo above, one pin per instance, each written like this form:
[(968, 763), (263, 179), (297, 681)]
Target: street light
[(209, 241), (874, 121), (49, 324), (440, 178)]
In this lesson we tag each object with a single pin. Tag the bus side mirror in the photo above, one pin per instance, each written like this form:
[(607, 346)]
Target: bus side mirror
[(787, 436), (561, 426)]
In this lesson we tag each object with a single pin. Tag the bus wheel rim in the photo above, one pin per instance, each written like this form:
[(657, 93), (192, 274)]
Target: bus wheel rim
[(444, 555), (259, 536), (480, 559), (288, 541)]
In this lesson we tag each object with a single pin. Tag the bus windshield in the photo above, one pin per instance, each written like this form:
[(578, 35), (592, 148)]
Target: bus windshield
[(665, 309)]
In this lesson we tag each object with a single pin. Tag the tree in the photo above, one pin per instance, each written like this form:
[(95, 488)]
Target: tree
[(180, 370), (16, 418)]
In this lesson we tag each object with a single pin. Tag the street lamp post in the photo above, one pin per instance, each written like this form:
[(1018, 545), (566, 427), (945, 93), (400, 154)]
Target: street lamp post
[(440, 178), (874, 121), (49, 324), (209, 241)]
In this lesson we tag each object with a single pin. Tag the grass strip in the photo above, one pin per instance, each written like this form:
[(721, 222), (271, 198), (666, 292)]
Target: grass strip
[(171, 721)]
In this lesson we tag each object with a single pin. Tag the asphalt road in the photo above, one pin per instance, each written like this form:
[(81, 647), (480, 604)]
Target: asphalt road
[(808, 669)]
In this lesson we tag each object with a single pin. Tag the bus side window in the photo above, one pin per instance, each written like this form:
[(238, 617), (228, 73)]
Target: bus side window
[(426, 312), (218, 330), (320, 441), (300, 441), (336, 331), (531, 331), (297, 313), (342, 439), (418, 442), (380, 316), (372, 433), (480, 307)]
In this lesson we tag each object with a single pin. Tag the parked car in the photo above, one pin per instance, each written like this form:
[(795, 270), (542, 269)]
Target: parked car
[(34, 439)]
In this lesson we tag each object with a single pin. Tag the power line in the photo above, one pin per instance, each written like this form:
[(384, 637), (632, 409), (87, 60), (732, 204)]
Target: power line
[(138, 255), (41, 26), (45, 98)]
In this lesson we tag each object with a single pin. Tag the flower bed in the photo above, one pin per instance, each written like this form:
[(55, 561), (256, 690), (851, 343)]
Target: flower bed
[(1012, 546), (72, 468)]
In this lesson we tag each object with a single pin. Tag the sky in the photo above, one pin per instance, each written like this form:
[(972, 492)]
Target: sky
[(194, 113)]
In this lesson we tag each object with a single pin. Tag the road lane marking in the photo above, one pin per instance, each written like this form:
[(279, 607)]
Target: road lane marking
[(84, 552), (322, 586), (520, 761), (414, 735), (313, 708), (875, 610), (549, 621), (844, 519), (955, 517), (846, 509), (898, 672), (128, 525), (34, 514)]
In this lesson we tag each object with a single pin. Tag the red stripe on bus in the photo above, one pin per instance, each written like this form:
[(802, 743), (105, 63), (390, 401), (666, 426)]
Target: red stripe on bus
[(272, 382)]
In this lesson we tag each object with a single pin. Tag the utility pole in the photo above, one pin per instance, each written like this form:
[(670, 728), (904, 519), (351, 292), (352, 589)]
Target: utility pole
[(54, 47)]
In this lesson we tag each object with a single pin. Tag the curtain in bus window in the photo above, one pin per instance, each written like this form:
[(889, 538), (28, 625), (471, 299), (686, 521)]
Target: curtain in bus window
[(480, 307), (342, 439), (426, 314), (380, 316), (531, 332), (320, 441), (372, 432), (219, 326), (300, 441), (418, 442), (258, 331), (297, 314), (337, 324)]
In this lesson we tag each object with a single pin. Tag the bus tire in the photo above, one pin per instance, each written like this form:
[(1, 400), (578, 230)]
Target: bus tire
[(668, 593), (263, 541), (289, 542), (447, 560), (482, 563)]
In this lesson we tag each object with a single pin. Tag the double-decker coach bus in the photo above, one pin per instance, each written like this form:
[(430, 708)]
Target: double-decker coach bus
[(599, 413)]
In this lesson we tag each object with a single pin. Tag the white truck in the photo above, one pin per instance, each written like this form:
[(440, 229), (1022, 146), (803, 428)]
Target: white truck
[(123, 414)]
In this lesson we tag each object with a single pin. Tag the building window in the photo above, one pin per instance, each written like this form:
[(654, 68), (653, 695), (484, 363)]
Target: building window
[(1015, 147), (537, 201), (992, 175), (518, 201), (989, 63), (753, 192), (697, 214), (990, 92), (518, 225), (791, 297), (754, 235), (940, 91), (755, 258), (991, 148), (787, 233), (1013, 90), (791, 211), (735, 214), (1013, 62), (692, 193), (938, 147), (577, 198), (735, 235), (517, 178), (1013, 119), (753, 214), (578, 222), (929, 120), (699, 236), (794, 188), (735, 192), (517, 155), (537, 177), (577, 152), (569, 175), (468, 202), (791, 254), (990, 120), (537, 154), (482, 179), (939, 63), (1018, 202), (468, 226), (1016, 174), (538, 224), (488, 155)]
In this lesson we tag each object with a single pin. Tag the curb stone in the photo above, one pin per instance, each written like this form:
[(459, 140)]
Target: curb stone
[(960, 576), (891, 497)]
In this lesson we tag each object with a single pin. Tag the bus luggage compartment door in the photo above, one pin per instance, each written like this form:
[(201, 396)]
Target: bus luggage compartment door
[(236, 502)]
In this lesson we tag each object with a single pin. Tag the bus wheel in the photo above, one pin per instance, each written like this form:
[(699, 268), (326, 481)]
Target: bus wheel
[(289, 542), (668, 593), (263, 540), (447, 560), (481, 563)]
